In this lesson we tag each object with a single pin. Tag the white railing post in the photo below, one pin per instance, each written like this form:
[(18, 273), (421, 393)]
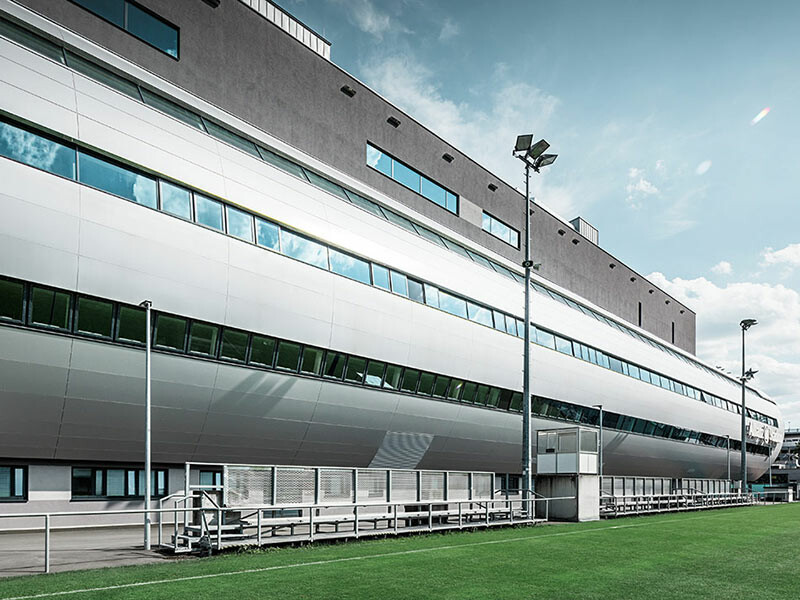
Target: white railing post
[(47, 543), (355, 522), (259, 527), (430, 516), (311, 522), (219, 529)]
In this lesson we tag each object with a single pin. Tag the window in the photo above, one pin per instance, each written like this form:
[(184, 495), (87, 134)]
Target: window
[(98, 482), (334, 365), (176, 200), (546, 339), (355, 369), (500, 230), (426, 381), (380, 276), (288, 356), (13, 484), (392, 378), (325, 184), (11, 297), (349, 266), (452, 304), (262, 351), (95, 317), (399, 284), (283, 164), (500, 323), (469, 392), (563, 345), (170, 332), (229, 137), (36, 151), (30, 40), (234, 345), (268, 235), (131, 324), (511, 325), (137, 21), (479, 314), (101, 75), (240, 224), (117, 180), (440, 387), (431, 295), (415, 291), (50, 308), (172, 109), (211, 479), (311, 363), (375, 373), (203, 339), (410, 178), (304, 249), (456, 385), (208, 212), (410, 379)]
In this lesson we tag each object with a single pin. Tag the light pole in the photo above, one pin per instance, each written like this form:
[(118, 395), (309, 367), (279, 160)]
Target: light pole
[(728, 446), (533, 157), (746, 376), (600, 443), (147, 305)]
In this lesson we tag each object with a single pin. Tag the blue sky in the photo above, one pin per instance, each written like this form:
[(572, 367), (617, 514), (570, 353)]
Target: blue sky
[(649, 106)]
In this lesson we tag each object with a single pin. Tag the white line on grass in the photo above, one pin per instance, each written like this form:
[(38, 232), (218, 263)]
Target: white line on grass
[(347, 559)]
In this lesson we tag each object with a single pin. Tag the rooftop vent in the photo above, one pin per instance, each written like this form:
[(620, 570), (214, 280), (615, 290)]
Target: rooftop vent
[(586, 230), (347, 90), (394, 122), (493, 187)]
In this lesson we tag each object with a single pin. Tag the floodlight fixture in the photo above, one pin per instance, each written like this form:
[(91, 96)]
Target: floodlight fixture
[(537, 149), (748, 323), (546, 159), (523, 142)]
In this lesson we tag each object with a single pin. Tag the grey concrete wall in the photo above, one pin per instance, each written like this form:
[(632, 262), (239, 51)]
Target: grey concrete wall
[(236, 59)]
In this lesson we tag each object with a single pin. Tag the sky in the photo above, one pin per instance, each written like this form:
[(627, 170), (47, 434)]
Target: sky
[(674, 122)]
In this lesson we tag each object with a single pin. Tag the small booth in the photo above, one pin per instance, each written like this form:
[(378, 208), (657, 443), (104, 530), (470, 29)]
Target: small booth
[(567, 462)]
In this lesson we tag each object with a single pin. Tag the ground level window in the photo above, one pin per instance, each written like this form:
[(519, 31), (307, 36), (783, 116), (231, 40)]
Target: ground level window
[(102, 482), (13, 484), (211, 479)]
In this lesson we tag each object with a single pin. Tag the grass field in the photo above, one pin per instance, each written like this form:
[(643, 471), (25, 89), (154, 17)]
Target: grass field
[(741, 552)]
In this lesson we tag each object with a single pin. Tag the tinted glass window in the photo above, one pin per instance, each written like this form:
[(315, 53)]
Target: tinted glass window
[(564, 346), (364, 203), (170, 332), (240, 224), (392, 379), (268, 234), (95, 317), (431, 295), (378, 160), (375, 373), (406, 176), (355, 369), (410, 378), (11, 293), (400, 220), (453, 305), (312, 360), (262, 351), (303, 249), (30, 40), (50, 308), (399, 283), (380, 276), (209, 212), (426, 382), (451, 202), (117, 180), (36, 151), (288, 356), (176, 200), (456, 385), (203, 339), (494, 397), (234, 345), (110, 10), (429, 235), (334, 365), (326, 184), (152, 30), (231, 138), (479, 314), (102, 75), (440, 387), (500, 322), (172, 109), (482, 394), (280, 162), (415, 291), (131, 327), (349, 266), (432, 191), (469, 392)]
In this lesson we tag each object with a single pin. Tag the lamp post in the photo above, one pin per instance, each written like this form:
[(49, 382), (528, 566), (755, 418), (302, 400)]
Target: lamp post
[(728, 452), (533, 157), (746, 376), (600, 443), (147, 305)]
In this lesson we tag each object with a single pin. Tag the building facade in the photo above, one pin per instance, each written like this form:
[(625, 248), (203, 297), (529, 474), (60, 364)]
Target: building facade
[(333, 284)]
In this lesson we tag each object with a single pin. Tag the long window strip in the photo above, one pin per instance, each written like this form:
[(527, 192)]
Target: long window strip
[(288, 166), (299, 175), (135, 185), (96, 317), (565, 345), (309, 360)]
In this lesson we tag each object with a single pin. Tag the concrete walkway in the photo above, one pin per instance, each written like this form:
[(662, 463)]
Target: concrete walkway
[(73, 549)]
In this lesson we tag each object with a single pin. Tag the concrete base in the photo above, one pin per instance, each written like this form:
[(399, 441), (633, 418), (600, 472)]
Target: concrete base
[(585, 504)]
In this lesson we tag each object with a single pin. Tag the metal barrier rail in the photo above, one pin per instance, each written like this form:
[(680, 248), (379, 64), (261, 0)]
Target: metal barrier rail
[(486, 508), (611, 505)]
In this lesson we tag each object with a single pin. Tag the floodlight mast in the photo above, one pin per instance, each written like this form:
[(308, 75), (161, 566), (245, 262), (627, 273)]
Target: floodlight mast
[(531, 155), (746, 376)]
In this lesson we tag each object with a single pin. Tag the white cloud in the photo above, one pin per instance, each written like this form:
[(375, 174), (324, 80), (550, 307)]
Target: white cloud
[(773, 346), (661, 167), (703, 167), (484, 133), (369, 19), (788, 256), (723, 267), (638, 187), (450, 29)]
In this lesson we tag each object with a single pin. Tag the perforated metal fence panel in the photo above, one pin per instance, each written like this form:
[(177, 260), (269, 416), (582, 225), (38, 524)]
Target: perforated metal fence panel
[(404, 486), (248, 486), (336, 485), (295, 485), (482, 486), (458, 486), (372, 485), (432, 486)]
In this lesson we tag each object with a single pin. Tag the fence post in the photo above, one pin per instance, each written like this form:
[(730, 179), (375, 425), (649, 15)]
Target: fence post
[(219, 529), (430, 516), (355, 523), (259, 527), (47, 543), (460, 521), (311, 522)]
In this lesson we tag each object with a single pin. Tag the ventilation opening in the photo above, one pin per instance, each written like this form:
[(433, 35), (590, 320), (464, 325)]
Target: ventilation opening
[(347, 91), (640, 314), (394, 122)]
